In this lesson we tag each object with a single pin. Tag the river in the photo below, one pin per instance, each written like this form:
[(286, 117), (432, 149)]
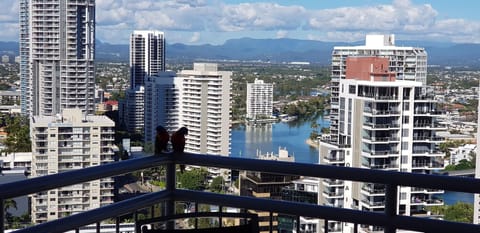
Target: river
[(248, 141)]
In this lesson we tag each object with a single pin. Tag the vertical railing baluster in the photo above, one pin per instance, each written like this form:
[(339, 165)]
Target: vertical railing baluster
[(390, 206), (98, 227), (196, 211), (355, 228), (2, 216), (77, 230), (220, 219), (170, 187), (271, 221), (117, 224), (325, 226), (298, 224)]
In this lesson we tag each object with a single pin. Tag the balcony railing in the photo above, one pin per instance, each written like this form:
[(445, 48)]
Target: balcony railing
[(388, 219)]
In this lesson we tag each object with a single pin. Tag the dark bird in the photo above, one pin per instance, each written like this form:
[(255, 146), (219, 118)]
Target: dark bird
[(178, 143), (161, 140)]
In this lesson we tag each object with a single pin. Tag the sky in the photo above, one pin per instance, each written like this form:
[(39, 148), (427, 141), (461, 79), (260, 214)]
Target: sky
[(215, 21)]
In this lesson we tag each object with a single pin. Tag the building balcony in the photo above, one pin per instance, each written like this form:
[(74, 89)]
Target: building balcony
[(428, 139), (435, 126), (426, 191), (372, 204), (374, 126), (372, 190), (380, 112), (381, 139), (332, 183), (333, 194), (334, 159), (388, 219), (380, 154)]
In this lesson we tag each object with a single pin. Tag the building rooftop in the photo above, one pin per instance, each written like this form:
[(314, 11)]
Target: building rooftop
[(72, 116)]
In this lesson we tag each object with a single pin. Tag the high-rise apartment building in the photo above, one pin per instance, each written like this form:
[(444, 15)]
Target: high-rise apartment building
[(259, 99), (162, 103), (68, 142), (384, 123), (147, 58), (476, 196), (198, 99), (408, 63), (147, 55), (57, 49)]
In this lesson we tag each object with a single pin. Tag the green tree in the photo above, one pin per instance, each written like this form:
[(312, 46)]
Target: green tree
[(18, 139), (193, 180), (217, 184), (460, 212)]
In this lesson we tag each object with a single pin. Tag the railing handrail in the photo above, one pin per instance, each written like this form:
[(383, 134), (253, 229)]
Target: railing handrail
[(459, 184), (389, 219), (43, 183)]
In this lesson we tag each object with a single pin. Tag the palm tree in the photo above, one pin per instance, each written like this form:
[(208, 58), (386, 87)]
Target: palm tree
[(9, 203)]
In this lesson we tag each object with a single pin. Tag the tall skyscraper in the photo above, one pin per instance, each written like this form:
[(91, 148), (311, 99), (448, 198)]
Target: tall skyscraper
[(147, 55), (198, 99), (384, 123), (65, 142), (259, 99), (476, 196), (408, 63), (147, 58), (57, 49)]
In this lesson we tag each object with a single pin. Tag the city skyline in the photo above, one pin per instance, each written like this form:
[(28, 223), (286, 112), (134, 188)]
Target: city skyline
[(214, 21)]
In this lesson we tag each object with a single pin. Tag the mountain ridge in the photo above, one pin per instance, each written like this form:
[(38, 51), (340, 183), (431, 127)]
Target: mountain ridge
[(279, 50)]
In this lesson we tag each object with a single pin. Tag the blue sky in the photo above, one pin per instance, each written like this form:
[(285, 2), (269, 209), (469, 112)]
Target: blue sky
[(214, 21)]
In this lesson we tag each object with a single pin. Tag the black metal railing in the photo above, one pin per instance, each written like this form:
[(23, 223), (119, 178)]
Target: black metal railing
[(389, 219)]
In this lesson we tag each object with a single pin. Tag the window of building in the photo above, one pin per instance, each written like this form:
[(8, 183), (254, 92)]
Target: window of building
[(404, 145), (405, 133), (352, 89)]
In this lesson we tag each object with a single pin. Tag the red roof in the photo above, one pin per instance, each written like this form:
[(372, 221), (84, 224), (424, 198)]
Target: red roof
[(111, 102)]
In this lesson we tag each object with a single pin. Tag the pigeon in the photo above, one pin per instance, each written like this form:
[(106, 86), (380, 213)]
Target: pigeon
[(178, 143), (161, 140)]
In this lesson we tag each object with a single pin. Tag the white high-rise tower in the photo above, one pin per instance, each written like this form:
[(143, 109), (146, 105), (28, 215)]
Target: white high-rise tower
[(259, 99), (385, 118), (57, 49), (147, 58), (66, 142), (198, 99), (476, 196)]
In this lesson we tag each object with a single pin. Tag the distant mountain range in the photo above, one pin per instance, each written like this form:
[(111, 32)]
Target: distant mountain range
[(280, 50)]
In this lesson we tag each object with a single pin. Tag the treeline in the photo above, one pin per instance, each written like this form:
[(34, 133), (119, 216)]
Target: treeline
[(303, 109)]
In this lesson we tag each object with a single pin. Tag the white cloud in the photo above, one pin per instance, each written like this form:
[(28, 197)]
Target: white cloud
[(116, 19), (282, 34), (260, 16), (195, 37), (400, 16)]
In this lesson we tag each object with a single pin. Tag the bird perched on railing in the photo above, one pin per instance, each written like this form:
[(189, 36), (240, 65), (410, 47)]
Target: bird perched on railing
[(161, 140), (178, 143)]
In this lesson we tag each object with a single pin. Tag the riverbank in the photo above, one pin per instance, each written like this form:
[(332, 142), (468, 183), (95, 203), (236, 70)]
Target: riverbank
[(312, 143)]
